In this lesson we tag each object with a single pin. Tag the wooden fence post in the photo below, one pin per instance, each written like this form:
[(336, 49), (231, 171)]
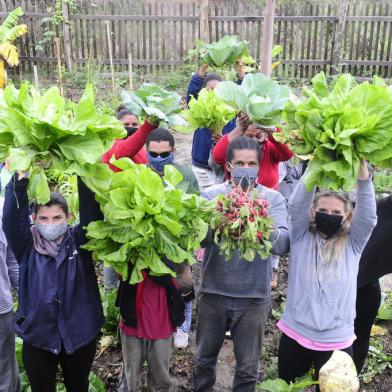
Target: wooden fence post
[(204, 33), (339, 37), (67, 36), (268, 37)]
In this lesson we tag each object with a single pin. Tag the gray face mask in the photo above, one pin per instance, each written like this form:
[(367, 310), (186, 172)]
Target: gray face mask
[(245, 176), (51, 231)]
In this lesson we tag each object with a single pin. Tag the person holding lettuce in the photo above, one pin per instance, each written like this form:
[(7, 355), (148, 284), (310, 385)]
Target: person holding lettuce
[(59, 312), (272, 151), (326, 241), (236, 292), (203, 139)]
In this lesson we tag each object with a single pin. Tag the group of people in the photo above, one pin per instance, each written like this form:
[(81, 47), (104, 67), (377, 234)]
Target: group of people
[(337, 254)]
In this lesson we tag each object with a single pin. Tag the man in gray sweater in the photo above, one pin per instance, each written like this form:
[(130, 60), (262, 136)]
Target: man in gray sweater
[(235, 292), (9, 275)]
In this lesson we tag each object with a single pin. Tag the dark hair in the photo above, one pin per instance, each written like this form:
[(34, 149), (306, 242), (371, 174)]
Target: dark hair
[(56, 199), (211, 76), (124, 112), (160, 135), (243, 143)]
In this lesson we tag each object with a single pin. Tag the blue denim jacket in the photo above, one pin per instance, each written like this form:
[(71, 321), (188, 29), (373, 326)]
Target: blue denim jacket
[(59, 301)]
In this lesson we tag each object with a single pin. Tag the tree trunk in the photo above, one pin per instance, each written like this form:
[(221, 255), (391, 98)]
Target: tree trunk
[(268, 37)]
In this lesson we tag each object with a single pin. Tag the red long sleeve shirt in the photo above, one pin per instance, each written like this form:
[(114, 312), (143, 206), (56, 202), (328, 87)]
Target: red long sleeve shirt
[(273, 153), (131, 147)]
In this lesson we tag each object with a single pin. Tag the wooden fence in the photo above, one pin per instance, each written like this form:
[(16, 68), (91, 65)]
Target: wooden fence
[(158, 34)]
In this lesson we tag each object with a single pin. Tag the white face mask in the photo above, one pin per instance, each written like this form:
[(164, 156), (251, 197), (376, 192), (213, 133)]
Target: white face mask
[(51, 231)]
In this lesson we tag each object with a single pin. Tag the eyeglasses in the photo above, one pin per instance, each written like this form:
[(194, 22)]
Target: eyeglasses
[(162, 154)]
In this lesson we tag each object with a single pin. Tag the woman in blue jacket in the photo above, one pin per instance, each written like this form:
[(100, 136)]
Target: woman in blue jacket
[(60, 312)]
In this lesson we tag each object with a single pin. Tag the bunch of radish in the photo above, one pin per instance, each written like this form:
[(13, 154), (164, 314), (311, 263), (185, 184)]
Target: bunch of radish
[(241, 222)]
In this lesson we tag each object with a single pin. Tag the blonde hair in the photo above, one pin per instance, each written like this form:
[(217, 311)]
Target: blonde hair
[(333, 247)]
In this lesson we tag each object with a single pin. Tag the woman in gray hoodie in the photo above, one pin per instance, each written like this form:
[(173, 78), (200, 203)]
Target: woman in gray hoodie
[(326, 238)]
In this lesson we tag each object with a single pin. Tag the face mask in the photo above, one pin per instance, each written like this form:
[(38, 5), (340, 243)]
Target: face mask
[(130, 131), (51, 231), (328, 224), (158, 163), (244, 176)]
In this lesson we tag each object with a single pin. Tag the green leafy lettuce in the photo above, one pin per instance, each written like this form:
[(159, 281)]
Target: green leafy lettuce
[(147, 220), (261, 98), (336, 126), (40, 132), (224, 52), (154, 102), (207, 111)]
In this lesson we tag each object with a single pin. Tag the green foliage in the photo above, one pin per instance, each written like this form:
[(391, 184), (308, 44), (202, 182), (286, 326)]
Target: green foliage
[(383, 181), (207, 111), (145, 220), (279, 385), (155, 103), (336, 126), (261, 98), (42, 132), (224, 52), (110, 311), (385, 311), (377, 360)]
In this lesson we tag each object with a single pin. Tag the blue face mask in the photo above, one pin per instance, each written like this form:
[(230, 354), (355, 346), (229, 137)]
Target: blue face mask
[(245, 176), (158, 163)]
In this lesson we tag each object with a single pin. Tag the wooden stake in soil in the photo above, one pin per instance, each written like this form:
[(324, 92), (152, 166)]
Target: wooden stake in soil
[(59, 66), (130, 70), (110, 55), (36, 80), (90, 61), (268, 36)]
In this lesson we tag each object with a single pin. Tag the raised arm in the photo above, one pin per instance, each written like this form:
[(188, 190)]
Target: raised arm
[(196, 83), (130, 146), (16, 216), (365, 215), (279, 151), (280, 237), (89, 211), (299, 206)]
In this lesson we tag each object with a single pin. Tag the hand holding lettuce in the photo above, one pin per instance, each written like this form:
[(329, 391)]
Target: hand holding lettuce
[(261, 98), (146, 221), (336, 126), (40, 132)]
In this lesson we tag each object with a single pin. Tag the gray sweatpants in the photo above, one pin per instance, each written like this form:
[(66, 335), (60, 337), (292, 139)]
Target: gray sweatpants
[(9, 372), (156, 353)]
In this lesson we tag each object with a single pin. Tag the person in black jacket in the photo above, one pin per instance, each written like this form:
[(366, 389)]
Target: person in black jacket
[(60, 313), (375, 263)]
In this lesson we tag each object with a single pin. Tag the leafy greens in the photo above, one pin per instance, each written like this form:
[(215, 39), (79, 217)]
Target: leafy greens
[(147, 220), (336, 126), (207, 111), (39, 132), (261, 98), (154, 102)]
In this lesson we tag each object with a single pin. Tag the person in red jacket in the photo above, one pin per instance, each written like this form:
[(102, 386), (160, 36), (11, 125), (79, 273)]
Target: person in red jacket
[(273, 152), (131, 147)]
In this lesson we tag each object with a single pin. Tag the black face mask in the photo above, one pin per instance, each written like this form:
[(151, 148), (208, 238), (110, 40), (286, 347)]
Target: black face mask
[(328, 224), (130, 131)]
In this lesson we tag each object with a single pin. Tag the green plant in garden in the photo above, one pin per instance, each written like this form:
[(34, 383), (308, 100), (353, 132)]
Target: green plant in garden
[(146, 220), (336, 126), (385, 311), (279, 385), (110, 311), (41, 132)]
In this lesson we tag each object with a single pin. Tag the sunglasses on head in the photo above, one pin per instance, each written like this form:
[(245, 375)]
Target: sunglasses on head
[(162, 154)]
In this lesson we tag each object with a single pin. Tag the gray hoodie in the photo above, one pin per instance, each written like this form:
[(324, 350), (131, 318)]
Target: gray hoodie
[(9, 271), (321, 296), (237, 277)]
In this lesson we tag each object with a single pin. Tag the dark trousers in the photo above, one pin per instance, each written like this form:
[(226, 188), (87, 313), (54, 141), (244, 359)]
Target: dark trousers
[(368, 302), (295, 360), (41, 368), (247, 318)]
